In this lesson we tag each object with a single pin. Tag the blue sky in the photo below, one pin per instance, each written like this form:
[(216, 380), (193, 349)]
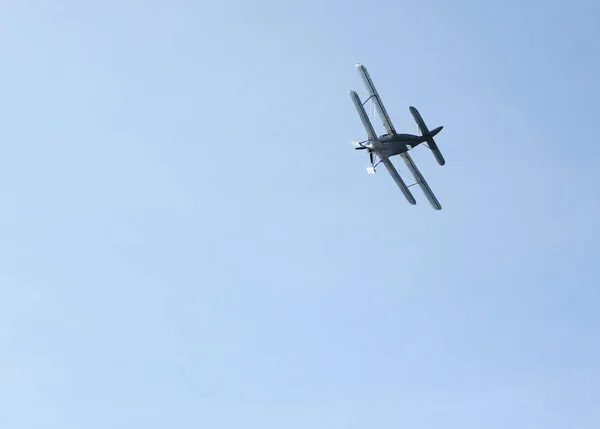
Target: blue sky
[(189, 239)]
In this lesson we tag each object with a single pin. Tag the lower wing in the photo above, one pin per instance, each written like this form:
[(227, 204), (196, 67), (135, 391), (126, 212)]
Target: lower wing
[(421, 181), (363, 115), (394, 173)]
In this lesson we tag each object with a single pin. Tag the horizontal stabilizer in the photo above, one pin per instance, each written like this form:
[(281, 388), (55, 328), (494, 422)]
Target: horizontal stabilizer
[(419, 120), (425, 132), (394, 173), (436, 151)]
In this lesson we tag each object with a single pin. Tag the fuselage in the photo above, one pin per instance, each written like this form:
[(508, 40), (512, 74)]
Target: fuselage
[(391, 145)]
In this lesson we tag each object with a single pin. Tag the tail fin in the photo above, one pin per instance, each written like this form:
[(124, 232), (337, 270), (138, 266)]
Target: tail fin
[(430, 134), (435, 131)]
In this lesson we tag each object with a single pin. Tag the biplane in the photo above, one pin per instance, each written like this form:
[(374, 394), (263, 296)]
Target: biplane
[(392, 143)]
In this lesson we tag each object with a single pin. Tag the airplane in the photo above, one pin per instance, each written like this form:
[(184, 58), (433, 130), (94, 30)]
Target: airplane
[(393, 143)]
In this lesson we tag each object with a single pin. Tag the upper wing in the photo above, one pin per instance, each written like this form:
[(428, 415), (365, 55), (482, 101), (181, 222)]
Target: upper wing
[(421, 180), (394, 173), (387, 122), (363, 115)]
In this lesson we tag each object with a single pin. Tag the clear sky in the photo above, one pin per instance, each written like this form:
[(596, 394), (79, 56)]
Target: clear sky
[(189, 240)]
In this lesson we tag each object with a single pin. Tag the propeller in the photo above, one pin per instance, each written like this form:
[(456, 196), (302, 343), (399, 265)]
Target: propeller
[(360, 146)]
